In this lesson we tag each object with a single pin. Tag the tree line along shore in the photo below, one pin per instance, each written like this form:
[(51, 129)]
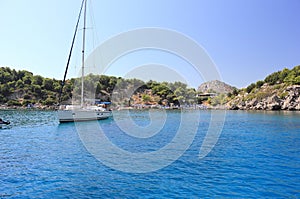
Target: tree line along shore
[(22, 89)]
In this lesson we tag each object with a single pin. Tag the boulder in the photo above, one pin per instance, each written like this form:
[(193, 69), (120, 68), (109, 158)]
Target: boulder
[(259, 106), (286, 103), (273, 99), (274, 106), (234, 107), (273, 103)]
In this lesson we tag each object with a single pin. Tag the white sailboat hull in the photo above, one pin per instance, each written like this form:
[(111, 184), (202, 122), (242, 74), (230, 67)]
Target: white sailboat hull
[(82, 115)]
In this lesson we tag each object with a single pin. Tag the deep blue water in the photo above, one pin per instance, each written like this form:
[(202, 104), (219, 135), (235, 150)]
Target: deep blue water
[(256, 156)]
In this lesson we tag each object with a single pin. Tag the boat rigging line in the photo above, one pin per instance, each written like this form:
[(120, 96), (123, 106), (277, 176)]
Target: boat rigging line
[(70, 53)]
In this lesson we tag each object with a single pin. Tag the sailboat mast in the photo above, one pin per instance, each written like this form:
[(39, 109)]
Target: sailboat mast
[(83, 49), (70, 53)]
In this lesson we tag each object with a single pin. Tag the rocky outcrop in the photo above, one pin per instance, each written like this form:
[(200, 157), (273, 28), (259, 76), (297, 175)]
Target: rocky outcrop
[(215, 86), (287, 98), (292, 101)]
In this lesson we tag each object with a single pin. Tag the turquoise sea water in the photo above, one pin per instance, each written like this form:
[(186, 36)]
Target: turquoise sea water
[(257, 156)]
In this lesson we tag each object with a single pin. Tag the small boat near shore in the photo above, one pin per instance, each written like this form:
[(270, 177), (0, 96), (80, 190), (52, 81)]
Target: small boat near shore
[(4, 123)]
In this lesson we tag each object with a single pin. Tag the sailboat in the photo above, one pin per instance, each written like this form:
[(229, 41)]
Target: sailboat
[(82, 112)]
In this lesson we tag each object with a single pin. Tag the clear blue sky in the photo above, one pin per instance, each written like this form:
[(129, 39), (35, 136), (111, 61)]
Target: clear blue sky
[(246, 39)]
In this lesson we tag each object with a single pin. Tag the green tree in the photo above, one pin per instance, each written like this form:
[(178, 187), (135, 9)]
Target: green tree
[(283, 74), (259, 84), (37, 90), (3, 99), (180, 95), (218, 100), (250, 87), (12, 85), (19, 84), (4, 89), (27, 79), (161, 90), (191, 95), (49, 102), (13, 103), (297, 80), (273, 78), (98, 88), (146, 98), (38, 80), (56, 86), (26, 96), (290, 78), (5, 77), (48, 84), (235, 92)]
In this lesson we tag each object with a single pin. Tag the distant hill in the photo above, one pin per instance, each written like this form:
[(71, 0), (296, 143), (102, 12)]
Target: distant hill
[(215, 86)]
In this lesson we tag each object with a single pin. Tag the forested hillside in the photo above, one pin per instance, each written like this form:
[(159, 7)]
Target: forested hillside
[(20, 88), (278, 91)]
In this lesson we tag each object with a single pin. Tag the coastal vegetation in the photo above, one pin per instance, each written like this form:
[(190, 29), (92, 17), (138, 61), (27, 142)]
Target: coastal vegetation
[(23, 88), (278, 91)]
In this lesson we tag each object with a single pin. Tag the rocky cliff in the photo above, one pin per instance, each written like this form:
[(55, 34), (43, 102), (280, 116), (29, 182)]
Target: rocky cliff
[(278, 91), (278, 97), (215, 86)]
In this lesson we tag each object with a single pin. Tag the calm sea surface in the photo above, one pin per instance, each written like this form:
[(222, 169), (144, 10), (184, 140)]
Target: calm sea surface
[(257, 156)]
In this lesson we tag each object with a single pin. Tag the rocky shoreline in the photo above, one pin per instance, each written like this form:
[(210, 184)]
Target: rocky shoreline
[(6, 107), (270, 98), (280, 99)]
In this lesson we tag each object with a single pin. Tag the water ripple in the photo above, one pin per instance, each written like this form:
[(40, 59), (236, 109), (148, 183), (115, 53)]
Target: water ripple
[(257, 156)]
